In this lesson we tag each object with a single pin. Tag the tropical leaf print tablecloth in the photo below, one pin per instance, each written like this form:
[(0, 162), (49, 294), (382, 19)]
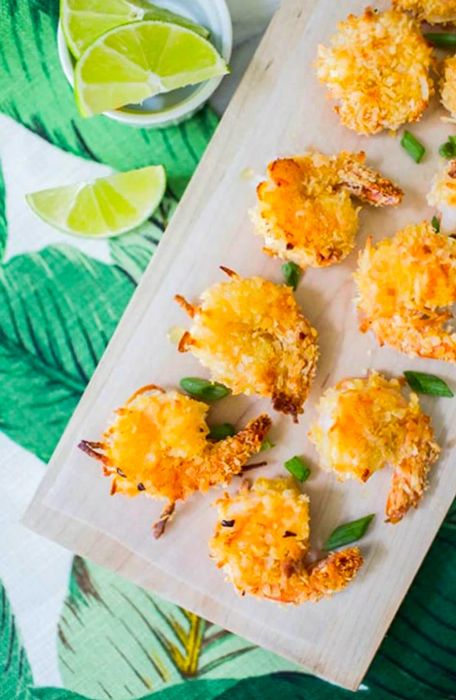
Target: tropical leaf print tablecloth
[(70, 630)]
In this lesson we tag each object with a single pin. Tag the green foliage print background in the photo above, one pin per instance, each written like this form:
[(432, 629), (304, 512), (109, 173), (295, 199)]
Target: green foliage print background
[(58, 309)]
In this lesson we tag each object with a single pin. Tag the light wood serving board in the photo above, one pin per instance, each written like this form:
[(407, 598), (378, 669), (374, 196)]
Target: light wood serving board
[(279, 109)]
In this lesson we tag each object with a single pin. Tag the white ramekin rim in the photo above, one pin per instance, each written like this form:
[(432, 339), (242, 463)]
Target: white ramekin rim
[(180, 111)]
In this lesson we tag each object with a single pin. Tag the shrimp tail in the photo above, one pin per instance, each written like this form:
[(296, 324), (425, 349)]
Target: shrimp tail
[(367, 184), (332, 574), (410, 478), (228, 457)]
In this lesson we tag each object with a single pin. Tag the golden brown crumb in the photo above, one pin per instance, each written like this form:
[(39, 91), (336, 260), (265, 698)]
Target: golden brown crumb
[(406, 286), (448, 85), (261, 539), (388, 429), (305, 210), (252, 336), (443, 196), (157, 445), (377, 69), (431, 11)]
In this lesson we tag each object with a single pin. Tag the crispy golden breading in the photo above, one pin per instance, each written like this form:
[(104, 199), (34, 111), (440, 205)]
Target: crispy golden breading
[(252, 336), (443, 195), (405, 285), (158, 445), (305, 211), (431, 11), (448, 85), (364, 424), (261, 539), (377, 68)]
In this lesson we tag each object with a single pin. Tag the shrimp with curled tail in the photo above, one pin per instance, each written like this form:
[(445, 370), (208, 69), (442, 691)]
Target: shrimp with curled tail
[(305, 211), (406, 286), (363, 424), (253, 337), (158, 446), (261, 540)]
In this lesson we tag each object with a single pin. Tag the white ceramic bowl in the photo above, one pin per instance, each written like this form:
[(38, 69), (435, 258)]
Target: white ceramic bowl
[(172, 107)]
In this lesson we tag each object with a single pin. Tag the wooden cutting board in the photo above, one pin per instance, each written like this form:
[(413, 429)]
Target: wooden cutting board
[(279, 109)]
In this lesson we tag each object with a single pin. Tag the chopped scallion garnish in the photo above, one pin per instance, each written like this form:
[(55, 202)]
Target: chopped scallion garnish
[(266, 445), (424, 383), (349, 532), (298, 468), (203, 389), (414, 148), (448, 149), (292, 274), (222, 431), (443, 40), (435, 224)]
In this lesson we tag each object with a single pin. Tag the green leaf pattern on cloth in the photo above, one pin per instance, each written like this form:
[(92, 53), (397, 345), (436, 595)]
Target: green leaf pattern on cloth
[(15, 675), (59, 309), (149, 643)]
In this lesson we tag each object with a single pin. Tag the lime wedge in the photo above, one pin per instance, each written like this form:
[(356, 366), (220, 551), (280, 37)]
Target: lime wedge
[(102, 208), (83, 21), (141, 59)]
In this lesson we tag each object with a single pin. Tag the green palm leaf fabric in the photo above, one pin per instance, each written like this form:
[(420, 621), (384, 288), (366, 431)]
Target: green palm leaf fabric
[(15, 675)]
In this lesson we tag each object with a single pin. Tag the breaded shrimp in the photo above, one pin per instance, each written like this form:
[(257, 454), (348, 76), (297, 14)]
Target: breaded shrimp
[(377, 68), (364, 424), (405, 285), (158, 445), (305, 211), (252, 336), (443, 195), (448, 85), (261, 540), (431, 11)]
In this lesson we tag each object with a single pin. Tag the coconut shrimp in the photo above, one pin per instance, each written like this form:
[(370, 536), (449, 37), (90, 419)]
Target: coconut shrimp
[(158, 445), (305, 209), (448, 86), (252, 336), (431, 11), (377, 69), (443, 196), (406, 285), (261, 540), (364, 424)]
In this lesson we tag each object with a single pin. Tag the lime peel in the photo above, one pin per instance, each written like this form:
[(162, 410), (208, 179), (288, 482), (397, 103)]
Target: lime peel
[(105, 207), (146, 58)]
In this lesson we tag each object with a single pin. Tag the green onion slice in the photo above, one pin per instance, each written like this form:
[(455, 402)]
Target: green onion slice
[(292, 274), (443, 40), (222, 431), (414, 148), (349, 532), (298, 468), (203, 389), (266, 445), (435, 224), (448, 150), (424, 383)]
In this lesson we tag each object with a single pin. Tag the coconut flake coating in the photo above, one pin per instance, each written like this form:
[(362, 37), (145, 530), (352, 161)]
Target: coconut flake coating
[(364, 424), (306, 212), (377, 69), (252, 336), (261, 540), (406, 287), (431, 11)]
